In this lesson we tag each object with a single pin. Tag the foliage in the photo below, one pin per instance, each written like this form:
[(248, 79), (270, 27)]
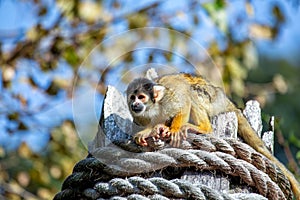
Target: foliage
[(46, 62)]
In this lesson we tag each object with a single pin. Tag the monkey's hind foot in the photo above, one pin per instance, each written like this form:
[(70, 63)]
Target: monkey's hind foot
[(190, 128)]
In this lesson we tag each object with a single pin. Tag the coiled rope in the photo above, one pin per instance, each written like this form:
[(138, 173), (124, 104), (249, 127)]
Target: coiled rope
[(161, 188), (110, 165)]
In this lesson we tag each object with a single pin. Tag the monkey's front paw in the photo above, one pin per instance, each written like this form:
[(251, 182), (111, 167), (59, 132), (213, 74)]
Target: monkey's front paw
[(160, 130), (140, 137)]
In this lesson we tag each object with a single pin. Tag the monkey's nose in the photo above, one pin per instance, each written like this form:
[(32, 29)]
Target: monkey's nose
[(135, 103)]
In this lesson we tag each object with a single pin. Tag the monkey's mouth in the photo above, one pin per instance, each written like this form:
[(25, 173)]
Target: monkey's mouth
[(137, 109)]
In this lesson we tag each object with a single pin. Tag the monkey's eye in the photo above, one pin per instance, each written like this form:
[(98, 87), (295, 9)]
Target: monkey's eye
[(141, 97), (132, 97), (148, 86)]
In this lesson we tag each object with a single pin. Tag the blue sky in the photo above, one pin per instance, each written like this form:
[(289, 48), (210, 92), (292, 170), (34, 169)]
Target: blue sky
[(288, 44)]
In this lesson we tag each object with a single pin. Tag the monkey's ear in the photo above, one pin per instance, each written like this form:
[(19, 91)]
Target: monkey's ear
[(158, 92)]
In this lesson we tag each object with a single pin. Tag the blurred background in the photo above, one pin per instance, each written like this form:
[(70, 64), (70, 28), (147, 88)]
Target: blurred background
[(57, 57)]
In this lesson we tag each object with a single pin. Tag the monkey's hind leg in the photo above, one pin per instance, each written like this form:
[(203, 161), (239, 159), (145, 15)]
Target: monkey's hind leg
[(175, 133), (200, 119), (180, 125)]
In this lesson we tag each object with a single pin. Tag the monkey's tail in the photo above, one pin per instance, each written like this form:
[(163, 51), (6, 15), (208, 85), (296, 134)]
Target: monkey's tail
[(252, 139)]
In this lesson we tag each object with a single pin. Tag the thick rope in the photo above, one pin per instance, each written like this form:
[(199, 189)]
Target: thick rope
[(150, 161), (241, 151), (134, 164), (159, 188), (246, 153), (229, 156)]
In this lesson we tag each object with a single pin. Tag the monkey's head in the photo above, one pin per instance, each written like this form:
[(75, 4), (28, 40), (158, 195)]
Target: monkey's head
[(142, 94)]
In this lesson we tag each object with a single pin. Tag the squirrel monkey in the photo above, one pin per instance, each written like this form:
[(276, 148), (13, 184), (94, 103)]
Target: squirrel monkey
[(165, 105)]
